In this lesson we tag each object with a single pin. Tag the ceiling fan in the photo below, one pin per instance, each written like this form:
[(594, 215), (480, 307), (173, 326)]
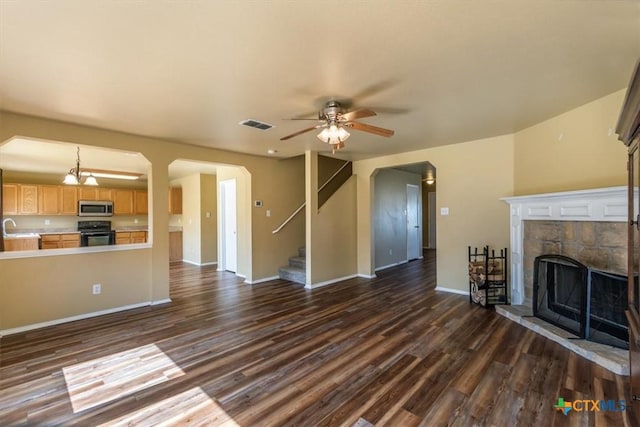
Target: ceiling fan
[(334, 119)]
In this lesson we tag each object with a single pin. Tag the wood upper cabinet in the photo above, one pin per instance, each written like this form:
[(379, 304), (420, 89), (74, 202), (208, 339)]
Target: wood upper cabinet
[(141, 205), (123, 202), (10, 199), (48, 199), (87, 193), (68, 200), (57, 200), (28, 199), (175, 200), (94, 193)]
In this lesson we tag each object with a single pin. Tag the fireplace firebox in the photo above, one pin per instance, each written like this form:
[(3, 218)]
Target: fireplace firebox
[(586, 302)]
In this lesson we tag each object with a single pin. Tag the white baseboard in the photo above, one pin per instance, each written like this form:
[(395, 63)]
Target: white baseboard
[(452, 291), (78, 317), (367, 276), (200, 264), (264, 279), (329, 282), (242, 276), (162, 301), (384, 267)]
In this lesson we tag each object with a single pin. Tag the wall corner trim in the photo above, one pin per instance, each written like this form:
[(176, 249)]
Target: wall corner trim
[(329, 282), (264, 279), (451, 290)]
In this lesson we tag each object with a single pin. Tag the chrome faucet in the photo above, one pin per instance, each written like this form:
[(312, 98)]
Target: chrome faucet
[(4, 226)]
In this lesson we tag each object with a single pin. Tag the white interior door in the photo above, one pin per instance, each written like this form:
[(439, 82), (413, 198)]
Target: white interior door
[(413, 222), (229, 225)]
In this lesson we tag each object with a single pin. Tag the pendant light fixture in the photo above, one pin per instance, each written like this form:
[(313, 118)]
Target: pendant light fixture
[(75, 174)]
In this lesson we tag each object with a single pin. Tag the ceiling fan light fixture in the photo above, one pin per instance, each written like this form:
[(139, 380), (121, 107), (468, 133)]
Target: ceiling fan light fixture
[(333, 134)]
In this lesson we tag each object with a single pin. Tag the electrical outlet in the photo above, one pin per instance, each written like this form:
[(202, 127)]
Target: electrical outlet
[(390, 251), (97, 289), (268, 212), (135, 220), (47, 221)]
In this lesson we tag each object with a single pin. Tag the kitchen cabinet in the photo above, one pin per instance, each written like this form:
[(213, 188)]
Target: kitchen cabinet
[(175, 246), (10, 199), (28, 199), (123, 202), (130, 237), (57, 241), (94, 193), (68, 200), (141, 202), (21, 244), (48, 199), (175, 200), (57, 200)]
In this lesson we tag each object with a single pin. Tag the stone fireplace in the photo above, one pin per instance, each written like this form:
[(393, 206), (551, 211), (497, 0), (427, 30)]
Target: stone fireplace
[(596, 244), (589, 226)]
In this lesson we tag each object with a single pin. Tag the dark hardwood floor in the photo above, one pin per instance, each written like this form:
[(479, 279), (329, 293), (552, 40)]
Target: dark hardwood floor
[(389, 351)]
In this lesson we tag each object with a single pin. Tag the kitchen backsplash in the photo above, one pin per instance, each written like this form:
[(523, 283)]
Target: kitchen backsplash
[(44, 222)]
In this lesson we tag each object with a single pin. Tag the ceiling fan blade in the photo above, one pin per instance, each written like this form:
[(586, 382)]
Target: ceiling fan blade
[(371, 129), (358, 114), (301, 132)]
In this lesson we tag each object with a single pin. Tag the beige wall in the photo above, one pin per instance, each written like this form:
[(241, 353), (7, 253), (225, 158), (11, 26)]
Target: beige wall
[(572, 151), (35, 290), (271, 176), (199, 231), (331, 230), (472, 177), (191, 227), (208, 218), (280, 200)]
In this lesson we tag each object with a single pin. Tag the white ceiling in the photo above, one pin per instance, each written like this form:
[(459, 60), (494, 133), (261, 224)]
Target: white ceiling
[(437, 72)]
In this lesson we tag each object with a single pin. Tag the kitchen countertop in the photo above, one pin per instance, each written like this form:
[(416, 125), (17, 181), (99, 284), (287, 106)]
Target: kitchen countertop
[(43, 230), (131, 228)]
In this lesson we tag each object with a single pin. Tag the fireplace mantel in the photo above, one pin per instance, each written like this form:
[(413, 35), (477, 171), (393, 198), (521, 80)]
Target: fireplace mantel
[(601, 204)]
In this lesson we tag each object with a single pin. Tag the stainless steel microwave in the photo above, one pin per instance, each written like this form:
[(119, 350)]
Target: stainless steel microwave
[(95, 208)]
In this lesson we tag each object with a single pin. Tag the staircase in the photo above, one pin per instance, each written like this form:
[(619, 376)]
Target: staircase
[(296, 271)]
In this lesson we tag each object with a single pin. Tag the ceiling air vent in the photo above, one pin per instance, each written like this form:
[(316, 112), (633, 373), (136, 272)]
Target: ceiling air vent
[(256, 124)]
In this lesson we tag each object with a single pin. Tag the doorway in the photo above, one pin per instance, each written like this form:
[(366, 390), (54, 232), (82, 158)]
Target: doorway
[(413, 222), (229, 256), (431, 219)]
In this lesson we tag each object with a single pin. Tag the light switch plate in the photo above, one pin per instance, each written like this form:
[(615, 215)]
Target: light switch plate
[(444, 211)]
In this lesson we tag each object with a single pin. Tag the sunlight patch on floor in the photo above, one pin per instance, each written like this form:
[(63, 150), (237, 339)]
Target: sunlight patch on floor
[(108, 378), (192, 407)]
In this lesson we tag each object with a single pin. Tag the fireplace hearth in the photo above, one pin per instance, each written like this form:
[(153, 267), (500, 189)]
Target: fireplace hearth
[(587, 302)]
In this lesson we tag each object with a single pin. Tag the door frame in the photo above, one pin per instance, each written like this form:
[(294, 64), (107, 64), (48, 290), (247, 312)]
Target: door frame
[(228, 262), (416, 229)]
